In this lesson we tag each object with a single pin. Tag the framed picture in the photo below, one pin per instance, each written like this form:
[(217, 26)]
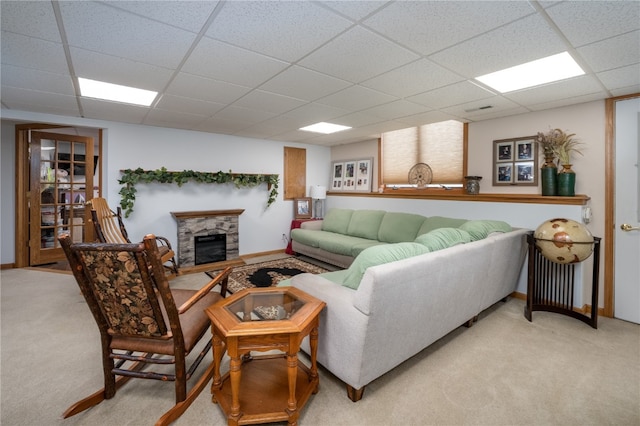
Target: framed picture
[(302, 208), (349, 181), (351, 175), (337, 174), (515, 161)]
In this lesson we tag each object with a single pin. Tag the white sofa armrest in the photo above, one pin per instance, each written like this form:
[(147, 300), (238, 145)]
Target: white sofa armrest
[(346, 325), (314, 225)]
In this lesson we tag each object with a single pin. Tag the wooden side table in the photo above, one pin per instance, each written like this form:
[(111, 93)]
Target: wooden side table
[(265, 388)]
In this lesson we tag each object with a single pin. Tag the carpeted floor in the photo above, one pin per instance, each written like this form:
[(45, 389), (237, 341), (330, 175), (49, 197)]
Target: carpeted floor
[(269, 273), (504, 370)]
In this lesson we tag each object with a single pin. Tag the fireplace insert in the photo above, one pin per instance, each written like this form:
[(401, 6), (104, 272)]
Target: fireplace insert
[(210, 248)]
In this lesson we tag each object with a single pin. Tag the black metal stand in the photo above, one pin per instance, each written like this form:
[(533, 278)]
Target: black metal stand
[(550, 285)]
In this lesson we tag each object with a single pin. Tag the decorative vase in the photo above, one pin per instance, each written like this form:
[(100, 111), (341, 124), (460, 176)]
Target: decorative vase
[(566, 181), (473, 184), (549, 177)]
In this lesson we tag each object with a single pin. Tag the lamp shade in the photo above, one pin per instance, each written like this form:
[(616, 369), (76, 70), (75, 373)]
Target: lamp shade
[(318, 192)]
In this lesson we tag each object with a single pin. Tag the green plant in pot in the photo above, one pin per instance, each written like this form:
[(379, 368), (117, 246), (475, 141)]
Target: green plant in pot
[(561, 145)]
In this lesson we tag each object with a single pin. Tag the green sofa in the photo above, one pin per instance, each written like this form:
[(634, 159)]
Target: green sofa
[(344, 233)]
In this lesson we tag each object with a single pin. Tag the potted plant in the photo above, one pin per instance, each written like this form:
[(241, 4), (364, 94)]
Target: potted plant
[(558, 144)]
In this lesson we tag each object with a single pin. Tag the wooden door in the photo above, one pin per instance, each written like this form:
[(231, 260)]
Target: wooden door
[(60, 183)]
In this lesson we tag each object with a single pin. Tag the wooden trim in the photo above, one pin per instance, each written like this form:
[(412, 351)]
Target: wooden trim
[(609, 210), (459, 195), (610, 203), (206, 213)]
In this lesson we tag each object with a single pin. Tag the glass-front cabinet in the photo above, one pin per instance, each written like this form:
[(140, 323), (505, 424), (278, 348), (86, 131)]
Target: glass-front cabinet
[(61, 182)]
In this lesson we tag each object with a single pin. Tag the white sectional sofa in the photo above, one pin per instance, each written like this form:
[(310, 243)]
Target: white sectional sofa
[(398, 308)]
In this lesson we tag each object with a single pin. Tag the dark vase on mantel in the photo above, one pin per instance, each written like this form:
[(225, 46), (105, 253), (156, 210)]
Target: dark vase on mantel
[(549, 177), (566, 181)]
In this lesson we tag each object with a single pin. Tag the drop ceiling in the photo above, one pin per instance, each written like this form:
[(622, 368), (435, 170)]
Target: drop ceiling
[(263, 69)]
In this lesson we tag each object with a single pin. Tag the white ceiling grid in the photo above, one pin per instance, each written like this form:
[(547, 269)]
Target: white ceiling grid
[(264, 69)]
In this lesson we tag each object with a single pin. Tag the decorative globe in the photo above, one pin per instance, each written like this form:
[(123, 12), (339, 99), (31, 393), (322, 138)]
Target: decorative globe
[(564, 241)]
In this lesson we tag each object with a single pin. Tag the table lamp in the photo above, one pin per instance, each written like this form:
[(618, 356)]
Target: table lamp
[(318, 194)]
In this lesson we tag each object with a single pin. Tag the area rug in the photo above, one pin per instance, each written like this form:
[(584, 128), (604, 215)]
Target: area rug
[(267, 274)]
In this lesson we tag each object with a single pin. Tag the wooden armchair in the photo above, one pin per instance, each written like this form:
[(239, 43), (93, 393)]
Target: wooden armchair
[(142, 321), (110, 228)]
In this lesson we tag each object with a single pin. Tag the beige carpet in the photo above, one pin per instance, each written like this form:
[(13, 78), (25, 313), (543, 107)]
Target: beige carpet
[(502, 371)]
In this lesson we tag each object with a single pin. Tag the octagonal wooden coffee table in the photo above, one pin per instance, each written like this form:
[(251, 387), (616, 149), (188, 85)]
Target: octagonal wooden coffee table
[(268, 387)]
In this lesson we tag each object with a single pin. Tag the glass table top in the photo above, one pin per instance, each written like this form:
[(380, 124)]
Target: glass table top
[(271, 306)]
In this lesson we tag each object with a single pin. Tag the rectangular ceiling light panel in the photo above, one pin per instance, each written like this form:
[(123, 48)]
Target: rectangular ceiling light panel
[(546, 70), (325, 128), (115, 92)]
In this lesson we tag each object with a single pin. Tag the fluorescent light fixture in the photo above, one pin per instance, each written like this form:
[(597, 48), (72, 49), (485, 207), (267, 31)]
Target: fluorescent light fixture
[(115, 92), (325, 128), (534, 73)]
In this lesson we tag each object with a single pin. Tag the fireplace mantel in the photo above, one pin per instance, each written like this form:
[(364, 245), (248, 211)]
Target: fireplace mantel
[(206, 213)]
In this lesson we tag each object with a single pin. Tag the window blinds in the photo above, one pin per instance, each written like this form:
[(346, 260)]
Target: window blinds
[(440, 145)]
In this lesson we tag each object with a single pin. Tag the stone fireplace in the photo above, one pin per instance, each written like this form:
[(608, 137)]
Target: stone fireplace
[(197, 225)]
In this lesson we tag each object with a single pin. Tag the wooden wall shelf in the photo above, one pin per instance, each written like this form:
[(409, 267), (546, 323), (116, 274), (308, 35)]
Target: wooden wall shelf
[(577, 200)]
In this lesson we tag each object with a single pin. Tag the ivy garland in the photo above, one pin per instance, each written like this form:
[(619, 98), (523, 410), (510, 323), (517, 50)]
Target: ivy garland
[(132, 177)]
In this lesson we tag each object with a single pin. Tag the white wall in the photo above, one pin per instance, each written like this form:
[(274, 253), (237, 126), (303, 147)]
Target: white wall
[(7, 193), (133, 146), (130, 146)]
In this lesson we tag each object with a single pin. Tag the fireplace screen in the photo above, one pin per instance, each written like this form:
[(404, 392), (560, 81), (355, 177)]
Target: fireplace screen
[(210, 248)]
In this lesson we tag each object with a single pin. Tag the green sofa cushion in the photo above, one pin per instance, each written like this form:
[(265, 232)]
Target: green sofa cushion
[(378, 255), (365, 223), (435, 222), (443, 238), (399, 227), (308, 237), (338, 243), (480, 229), (358, 248), (337, 220)]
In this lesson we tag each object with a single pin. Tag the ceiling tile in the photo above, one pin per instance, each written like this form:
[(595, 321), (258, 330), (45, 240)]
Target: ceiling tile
[(454, 94), (430, 26), (419, 76), (314, 112), (358, 55), (284, 30), (356, 98), (29, 52), (587, 22), (39, 101), (221, 61), (113, 111), (174, 119), (188, 15), (36, 80), (396, 109), (206, 89), (504, 47), (249, 116), (189, 105), (41, 23), (266, 101), (620, 77), (355, 10), (565, 89), (98, 27), (118, 70), (302, 83), (613, 53)]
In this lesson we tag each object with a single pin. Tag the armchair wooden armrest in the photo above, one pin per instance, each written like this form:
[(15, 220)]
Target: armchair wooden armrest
[(222, 278)]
